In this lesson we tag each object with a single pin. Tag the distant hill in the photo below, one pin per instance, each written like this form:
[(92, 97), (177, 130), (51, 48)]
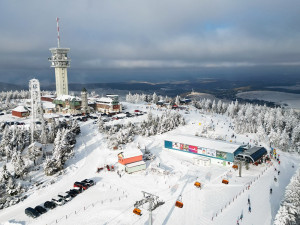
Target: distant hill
[(12, 87)]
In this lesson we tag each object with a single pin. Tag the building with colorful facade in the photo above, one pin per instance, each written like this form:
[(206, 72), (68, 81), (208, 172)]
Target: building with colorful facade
[(218, 152)]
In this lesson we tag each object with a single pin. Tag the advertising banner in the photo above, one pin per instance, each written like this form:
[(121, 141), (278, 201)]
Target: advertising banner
[(176, 145), (193, 149), (202, 151), (211, 152), (221, 155), (184, 147)]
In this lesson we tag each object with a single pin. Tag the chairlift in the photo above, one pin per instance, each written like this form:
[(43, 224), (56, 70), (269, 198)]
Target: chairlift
[(224, 181), (197, 184), (179, 203), (137, 211)]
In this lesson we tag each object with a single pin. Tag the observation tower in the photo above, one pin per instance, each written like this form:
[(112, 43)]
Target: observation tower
[(60, 61)]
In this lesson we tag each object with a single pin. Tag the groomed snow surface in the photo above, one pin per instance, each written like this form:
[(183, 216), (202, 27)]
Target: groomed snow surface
[(171, 174)]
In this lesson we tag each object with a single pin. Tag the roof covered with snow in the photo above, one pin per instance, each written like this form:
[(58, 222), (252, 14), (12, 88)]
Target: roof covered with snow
[(131, 153), (138, 163), (68, 97), (21, 108), (204, 143), (35, 144), (48, 105), (106, 100)]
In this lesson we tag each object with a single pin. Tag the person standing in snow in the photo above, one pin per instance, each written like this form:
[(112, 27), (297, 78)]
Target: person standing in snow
[(249, 209), (248, 200), (278, 172), (270, 190), (241, 217)]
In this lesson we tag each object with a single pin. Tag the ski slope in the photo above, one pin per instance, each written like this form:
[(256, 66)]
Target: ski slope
[(171, 174)]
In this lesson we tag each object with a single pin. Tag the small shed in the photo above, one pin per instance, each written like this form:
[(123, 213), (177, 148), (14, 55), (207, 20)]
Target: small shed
[(20, 111), (130, 156), (135, 166)]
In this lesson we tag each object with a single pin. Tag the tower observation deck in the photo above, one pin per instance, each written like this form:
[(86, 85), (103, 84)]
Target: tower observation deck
[(60, 61)]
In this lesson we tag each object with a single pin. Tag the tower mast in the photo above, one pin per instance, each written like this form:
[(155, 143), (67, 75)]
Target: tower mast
[(58, 37)]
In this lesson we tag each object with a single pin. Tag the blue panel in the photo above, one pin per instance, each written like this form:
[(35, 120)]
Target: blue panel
[(258, 154), (230, 157), (238, 151), (168, 144)]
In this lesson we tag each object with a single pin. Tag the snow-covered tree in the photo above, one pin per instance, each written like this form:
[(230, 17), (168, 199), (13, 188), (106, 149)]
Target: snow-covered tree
[(35, 152), (4, 175), (177, 100), (154, 98), (289, 211), (100, 124), (19, 165), (12, 188)]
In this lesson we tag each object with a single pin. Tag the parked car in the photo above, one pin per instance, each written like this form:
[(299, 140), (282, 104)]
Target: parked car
[(77, 189), (32, 212), (81, 185), (49, 205), (58, 201), (40, 209), (89, 182), (73, 193), (65, 196)]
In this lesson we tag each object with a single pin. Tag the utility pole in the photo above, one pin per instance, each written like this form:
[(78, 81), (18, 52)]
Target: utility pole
[(153, 202), (240, 169)]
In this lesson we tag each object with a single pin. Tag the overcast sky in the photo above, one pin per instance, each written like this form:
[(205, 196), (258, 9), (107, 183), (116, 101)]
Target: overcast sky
[(114, 38)]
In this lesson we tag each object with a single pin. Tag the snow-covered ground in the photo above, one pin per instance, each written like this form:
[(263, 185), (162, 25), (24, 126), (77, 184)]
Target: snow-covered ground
[(171, 174), (281, 98)]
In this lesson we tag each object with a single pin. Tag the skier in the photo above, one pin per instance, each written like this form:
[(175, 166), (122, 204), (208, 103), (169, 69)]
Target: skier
[(270, 190), (278, 172), (275, 179), (249, 209), (241, 217), (279, 162), (249, 201)]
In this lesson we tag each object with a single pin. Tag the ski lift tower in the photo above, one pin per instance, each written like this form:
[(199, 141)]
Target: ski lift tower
[(36, 105), (60, 61), (152, 201)]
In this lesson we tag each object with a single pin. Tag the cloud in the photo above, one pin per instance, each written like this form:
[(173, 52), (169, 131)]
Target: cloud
[(151, 34)]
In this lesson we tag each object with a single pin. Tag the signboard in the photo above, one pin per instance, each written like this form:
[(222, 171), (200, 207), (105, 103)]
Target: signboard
[(184, 147), (202, 151), (211, 152), (176, 145), (193, 149), (221, 155)]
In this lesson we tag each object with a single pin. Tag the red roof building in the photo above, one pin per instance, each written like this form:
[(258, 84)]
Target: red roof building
[(130, 157), (20, 111)]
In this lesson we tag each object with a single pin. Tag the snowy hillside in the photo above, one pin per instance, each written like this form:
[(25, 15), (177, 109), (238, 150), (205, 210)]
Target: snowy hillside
[(169, 175)]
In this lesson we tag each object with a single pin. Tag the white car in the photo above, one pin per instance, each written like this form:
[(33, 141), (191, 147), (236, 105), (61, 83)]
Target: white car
[(58, 201), (65, 196)]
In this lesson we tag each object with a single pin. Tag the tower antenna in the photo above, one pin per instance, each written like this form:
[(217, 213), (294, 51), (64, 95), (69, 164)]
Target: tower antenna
[(58, 37)]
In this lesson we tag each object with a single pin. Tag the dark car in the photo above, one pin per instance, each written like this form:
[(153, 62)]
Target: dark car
[(40, 209), (73, 192), (81, 185), (49, 205), (89, 182), (32, 212)]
